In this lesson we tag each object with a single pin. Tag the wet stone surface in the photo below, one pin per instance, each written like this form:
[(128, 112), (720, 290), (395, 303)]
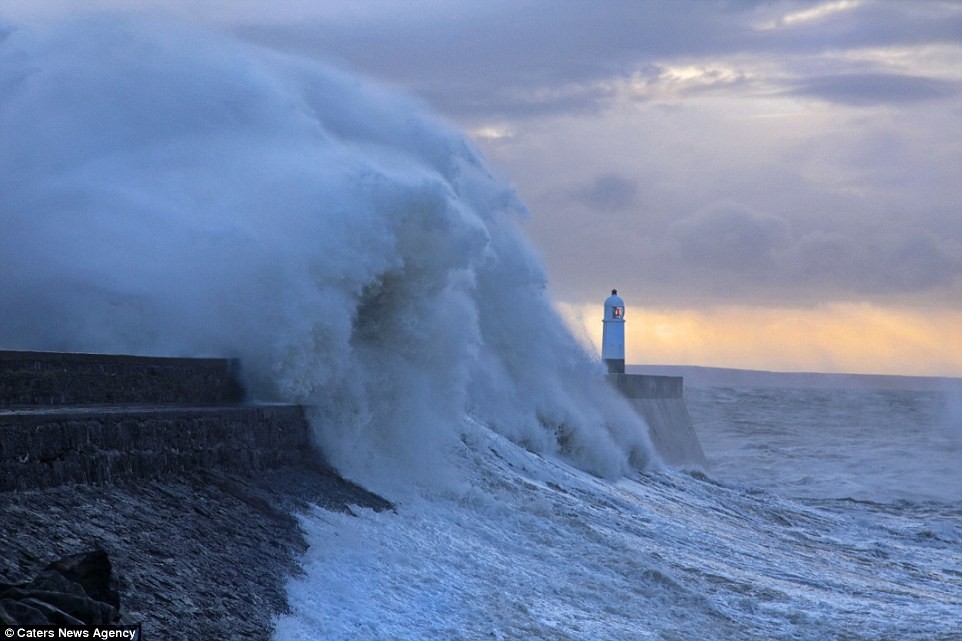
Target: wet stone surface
[(201, 556)]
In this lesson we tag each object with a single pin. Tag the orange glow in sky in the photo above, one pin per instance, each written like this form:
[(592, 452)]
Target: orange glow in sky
[(854, 338)]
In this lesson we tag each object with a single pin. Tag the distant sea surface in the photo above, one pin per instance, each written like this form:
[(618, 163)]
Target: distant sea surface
[(883, 438)]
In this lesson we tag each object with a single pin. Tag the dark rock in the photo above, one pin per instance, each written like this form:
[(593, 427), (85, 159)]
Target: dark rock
[(205, 555), (76, 590), (92, 572), (17, 612)]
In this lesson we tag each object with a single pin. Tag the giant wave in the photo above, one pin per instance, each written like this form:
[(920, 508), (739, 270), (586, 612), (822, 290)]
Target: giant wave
[(166, 190)]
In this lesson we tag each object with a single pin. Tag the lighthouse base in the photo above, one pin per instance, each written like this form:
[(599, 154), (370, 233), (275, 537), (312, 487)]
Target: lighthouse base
[(615, 365), (660, 401)]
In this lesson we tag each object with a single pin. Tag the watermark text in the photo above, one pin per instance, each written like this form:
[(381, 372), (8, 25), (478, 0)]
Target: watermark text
[(94, 632)]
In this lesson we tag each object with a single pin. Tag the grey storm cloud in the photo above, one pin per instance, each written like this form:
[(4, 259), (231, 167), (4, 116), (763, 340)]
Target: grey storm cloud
[(729, 237), (875, 263), (515, 59), (512, 59), (874, 88), (741, 252), (609, 192), (913, 261)]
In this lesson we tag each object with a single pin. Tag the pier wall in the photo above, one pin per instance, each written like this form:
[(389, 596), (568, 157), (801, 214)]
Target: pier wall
[(660, 401), (90, 418), (52, 447)]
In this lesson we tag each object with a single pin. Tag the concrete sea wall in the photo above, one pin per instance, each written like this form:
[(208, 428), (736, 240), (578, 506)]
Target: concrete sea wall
[(59, 378), (51, 447), (88, 418), (660, 401)]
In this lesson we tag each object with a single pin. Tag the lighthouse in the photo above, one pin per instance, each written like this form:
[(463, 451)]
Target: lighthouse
[(659, 400), (613, 337)]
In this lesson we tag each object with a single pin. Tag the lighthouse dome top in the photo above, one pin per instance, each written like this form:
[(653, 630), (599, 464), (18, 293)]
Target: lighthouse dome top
[(614, 307)]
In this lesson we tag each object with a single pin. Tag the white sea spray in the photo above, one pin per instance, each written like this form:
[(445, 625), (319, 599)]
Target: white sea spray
[(167, 190)]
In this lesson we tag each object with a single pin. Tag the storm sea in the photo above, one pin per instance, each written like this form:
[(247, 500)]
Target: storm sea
[(166, 190), (825, 513)]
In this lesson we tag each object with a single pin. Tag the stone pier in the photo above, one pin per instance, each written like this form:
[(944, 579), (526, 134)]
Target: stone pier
[(660, 401)]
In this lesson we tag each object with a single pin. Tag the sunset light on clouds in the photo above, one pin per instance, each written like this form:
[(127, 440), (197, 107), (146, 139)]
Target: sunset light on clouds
[(837, 338)]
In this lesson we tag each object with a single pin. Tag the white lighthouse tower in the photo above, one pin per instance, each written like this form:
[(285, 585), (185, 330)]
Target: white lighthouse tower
[(613, 337)]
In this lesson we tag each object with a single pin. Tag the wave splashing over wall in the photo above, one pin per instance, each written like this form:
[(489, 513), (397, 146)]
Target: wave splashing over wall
[(170, 191)]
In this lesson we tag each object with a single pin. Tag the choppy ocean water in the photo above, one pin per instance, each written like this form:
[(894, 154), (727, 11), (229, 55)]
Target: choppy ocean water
[(826, 514), (883, 445)]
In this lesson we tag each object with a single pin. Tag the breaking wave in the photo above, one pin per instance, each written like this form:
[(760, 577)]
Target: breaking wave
[(166, 190)]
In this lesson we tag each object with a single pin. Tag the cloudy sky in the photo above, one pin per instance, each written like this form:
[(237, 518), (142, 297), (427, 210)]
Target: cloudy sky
[(770, 184)]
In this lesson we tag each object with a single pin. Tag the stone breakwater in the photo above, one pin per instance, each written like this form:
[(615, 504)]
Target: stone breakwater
[(51, 446), (191, 495), (660, 400), (59, 378)]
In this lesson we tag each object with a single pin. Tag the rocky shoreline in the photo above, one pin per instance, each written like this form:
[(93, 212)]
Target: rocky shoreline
[(203, 555)]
